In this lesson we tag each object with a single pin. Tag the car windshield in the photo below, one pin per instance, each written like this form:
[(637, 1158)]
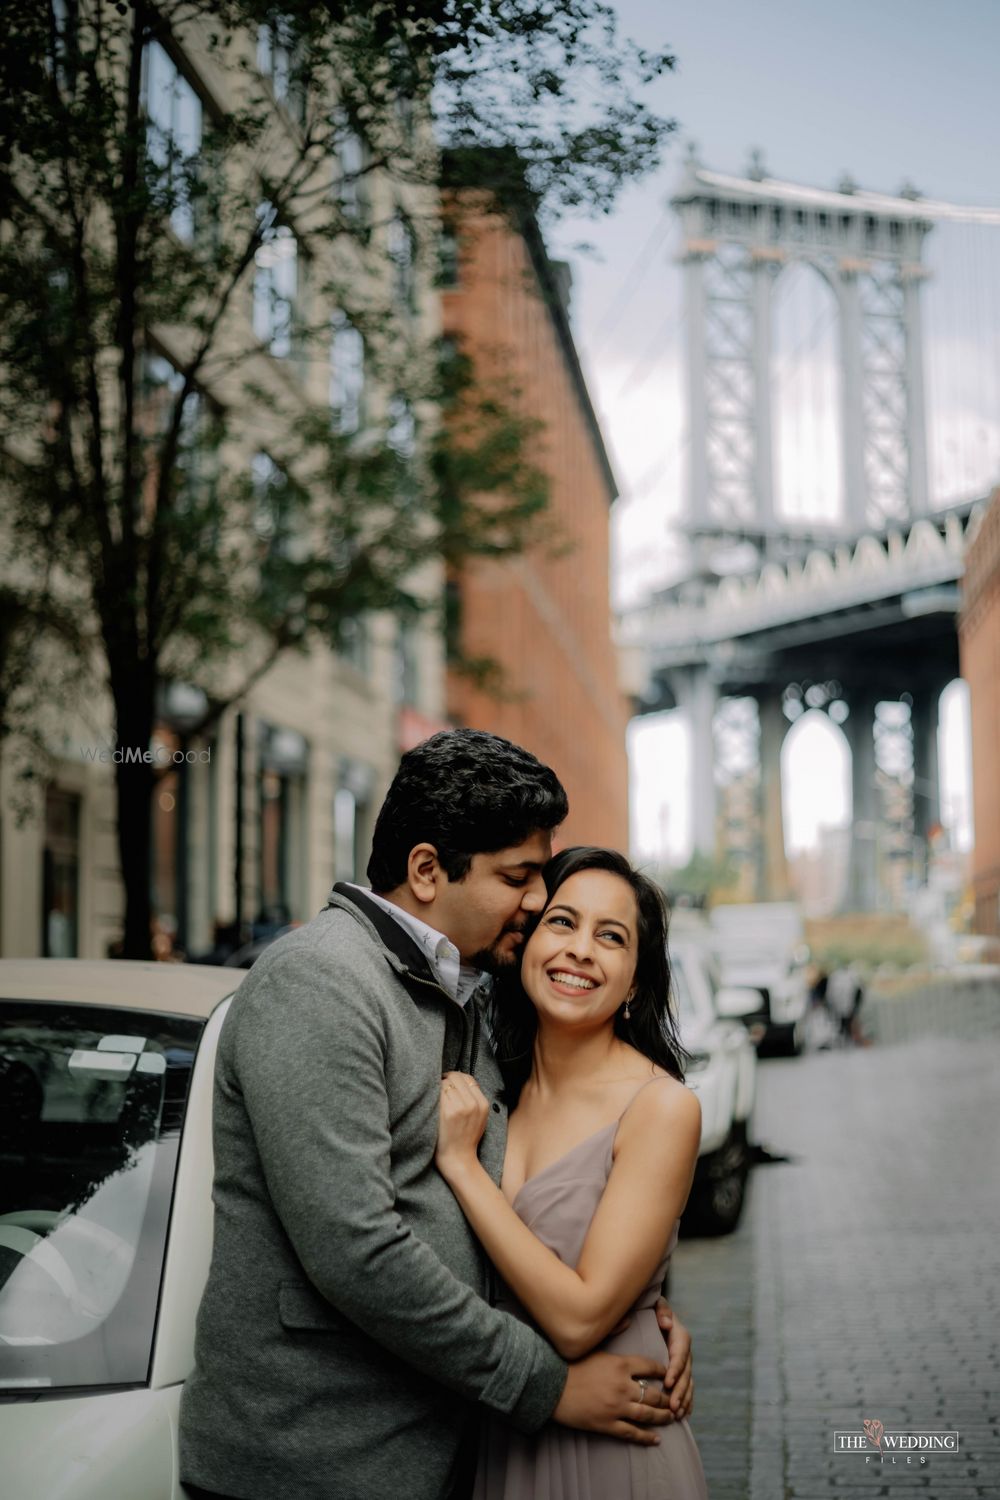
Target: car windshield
[(684, 1001), (91, 1106)]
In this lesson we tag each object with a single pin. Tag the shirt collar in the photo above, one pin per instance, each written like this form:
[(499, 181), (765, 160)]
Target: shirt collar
[(457, 979)]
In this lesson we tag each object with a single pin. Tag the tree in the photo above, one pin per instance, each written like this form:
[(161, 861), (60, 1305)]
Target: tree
[(168, 175), (702, 880)]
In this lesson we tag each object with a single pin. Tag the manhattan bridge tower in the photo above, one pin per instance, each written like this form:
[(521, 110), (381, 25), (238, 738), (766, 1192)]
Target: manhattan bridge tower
[(855, 616), (738, 236)]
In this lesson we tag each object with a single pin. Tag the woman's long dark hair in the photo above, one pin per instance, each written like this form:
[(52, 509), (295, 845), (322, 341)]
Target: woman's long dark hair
[(651, 1028)]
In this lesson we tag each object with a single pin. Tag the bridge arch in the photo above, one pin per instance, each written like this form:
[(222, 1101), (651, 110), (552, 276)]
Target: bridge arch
[(816, 780)]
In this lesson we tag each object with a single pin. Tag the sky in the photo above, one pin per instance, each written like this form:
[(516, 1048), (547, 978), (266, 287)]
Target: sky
[(890, 91)]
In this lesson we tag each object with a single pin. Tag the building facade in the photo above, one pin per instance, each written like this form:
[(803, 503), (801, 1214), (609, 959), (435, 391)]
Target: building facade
[(979, 637), (544, 618), (253, 821)]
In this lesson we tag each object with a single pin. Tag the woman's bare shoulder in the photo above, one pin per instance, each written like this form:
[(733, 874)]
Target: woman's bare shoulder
[(664, 1101)]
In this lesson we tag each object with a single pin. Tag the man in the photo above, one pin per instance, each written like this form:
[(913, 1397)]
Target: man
[(345, 1339)]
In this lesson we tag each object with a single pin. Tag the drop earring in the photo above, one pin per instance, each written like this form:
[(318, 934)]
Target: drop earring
[(628, 1011)]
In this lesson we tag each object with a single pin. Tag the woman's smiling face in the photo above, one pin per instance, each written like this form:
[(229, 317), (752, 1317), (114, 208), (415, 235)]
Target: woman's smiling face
[(579, 964)]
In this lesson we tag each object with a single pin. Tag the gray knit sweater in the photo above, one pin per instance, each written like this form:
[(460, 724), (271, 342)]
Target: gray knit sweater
[(344, 1341)]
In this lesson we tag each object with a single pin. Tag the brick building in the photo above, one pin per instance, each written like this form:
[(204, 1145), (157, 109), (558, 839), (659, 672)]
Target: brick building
[(979, 635), (545, 617)]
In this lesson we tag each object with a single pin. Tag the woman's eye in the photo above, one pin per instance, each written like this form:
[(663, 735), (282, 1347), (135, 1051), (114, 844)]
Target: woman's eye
[(564, 920), (615, 937)]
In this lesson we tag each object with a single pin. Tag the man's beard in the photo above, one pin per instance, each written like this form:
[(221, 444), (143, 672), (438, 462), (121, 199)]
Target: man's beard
[(496, 960)]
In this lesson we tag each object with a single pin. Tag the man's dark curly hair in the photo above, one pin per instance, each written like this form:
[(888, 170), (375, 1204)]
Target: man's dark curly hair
[(466, 792)]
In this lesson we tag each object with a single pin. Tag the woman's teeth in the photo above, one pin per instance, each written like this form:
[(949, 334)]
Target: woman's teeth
[(575, 981)]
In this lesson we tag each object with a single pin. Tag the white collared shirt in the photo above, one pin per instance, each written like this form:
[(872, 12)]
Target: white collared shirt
[(456, 978)]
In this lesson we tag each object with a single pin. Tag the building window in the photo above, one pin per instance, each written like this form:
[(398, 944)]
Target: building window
[(347, 375), (403, 82), (174, 113), (275, 285), (352, 643), (64, 42), (401, 433), (160, 383), (280, 525), (276, 61), (401, 436), (447, 274), (281, 786), (405, 112), (351, 158), (407, 675), (269, 483), (352, 806), (402, 250), (61, 875)]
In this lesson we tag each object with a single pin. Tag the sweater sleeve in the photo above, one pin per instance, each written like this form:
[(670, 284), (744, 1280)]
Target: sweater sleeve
[(312, 1075)]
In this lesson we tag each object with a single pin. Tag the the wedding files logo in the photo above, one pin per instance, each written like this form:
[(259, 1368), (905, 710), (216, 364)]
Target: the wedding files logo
[(898, 1445)]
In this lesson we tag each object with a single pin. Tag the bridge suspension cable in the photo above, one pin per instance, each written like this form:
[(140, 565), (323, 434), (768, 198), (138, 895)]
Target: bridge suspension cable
[(647, 361), (633, 280)]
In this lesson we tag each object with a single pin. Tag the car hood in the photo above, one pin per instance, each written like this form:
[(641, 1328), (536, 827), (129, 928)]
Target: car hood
[(89, 1447)]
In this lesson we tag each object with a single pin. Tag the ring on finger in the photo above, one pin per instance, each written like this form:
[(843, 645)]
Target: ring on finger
[(642, 1384)]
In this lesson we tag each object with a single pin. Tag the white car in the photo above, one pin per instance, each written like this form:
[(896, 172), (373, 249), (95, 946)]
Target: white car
[(723, 1073), (761, 946), (105, 1219)]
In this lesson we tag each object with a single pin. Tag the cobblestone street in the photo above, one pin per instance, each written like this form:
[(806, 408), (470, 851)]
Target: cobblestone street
[(864, 1281)]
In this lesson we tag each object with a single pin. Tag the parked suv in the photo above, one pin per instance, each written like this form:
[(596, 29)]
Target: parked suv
[(762, 947)]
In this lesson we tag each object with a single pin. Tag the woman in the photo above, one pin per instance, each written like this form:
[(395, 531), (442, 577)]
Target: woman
[(601, 1149)]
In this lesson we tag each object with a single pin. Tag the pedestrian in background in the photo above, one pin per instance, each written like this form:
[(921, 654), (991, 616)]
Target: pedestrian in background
[(845, 995)]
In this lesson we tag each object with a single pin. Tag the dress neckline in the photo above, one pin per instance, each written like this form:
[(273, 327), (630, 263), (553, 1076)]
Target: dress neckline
[(566, 1154), (587, 1140)]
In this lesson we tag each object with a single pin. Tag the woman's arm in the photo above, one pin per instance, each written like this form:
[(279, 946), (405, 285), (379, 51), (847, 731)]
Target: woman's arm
[(657, 1146)]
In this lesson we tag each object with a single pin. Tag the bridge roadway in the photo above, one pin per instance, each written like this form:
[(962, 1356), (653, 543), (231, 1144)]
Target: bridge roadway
[(877, 612)]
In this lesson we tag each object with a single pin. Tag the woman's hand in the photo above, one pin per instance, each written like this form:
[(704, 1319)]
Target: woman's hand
[(462, 1116)]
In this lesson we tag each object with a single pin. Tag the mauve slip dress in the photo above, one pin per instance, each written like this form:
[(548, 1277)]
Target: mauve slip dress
[(560, 1463)]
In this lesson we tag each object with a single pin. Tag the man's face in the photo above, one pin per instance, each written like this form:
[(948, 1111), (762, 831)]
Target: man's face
[(485, 914)]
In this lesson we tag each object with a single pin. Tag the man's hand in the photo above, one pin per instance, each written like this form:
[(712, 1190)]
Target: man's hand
[(679, 1381), (618, 1394)]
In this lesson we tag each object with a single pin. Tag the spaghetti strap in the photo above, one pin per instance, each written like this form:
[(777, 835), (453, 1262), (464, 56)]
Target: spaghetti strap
[(641, 1089), (659, 1078)]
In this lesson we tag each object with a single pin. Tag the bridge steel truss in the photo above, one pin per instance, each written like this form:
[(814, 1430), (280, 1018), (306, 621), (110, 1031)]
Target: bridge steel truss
[(738, 235), (851, 614)]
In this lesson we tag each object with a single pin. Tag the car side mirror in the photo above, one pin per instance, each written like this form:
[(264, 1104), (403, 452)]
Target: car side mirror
[(733, 1001)]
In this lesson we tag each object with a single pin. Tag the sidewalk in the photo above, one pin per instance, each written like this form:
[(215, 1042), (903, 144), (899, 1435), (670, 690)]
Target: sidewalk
[(864, 1281)]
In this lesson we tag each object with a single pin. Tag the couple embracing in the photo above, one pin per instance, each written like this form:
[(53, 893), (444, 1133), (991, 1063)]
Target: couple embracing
[(409, 1294)]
